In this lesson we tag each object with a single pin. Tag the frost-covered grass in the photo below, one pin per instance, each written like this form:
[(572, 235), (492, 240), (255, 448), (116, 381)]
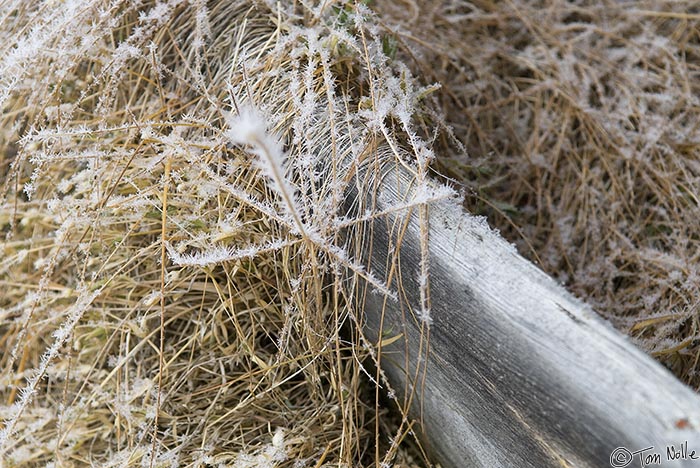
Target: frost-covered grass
[(179, 285)]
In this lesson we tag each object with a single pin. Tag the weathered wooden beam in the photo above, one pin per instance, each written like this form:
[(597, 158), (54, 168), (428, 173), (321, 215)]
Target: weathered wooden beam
[(520, 373)]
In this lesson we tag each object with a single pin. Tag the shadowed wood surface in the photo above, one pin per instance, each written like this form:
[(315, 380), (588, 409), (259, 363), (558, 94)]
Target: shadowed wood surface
[(520, 373)]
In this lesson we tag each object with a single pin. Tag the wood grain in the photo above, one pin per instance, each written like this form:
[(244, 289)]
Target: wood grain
[(520, 373)]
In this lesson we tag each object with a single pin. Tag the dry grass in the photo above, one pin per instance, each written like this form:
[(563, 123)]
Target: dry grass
[(574, 126), (177, 286), (176, 280)]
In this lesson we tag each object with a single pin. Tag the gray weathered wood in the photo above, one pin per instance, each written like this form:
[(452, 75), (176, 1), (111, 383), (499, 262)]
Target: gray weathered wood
[(520, 373)]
